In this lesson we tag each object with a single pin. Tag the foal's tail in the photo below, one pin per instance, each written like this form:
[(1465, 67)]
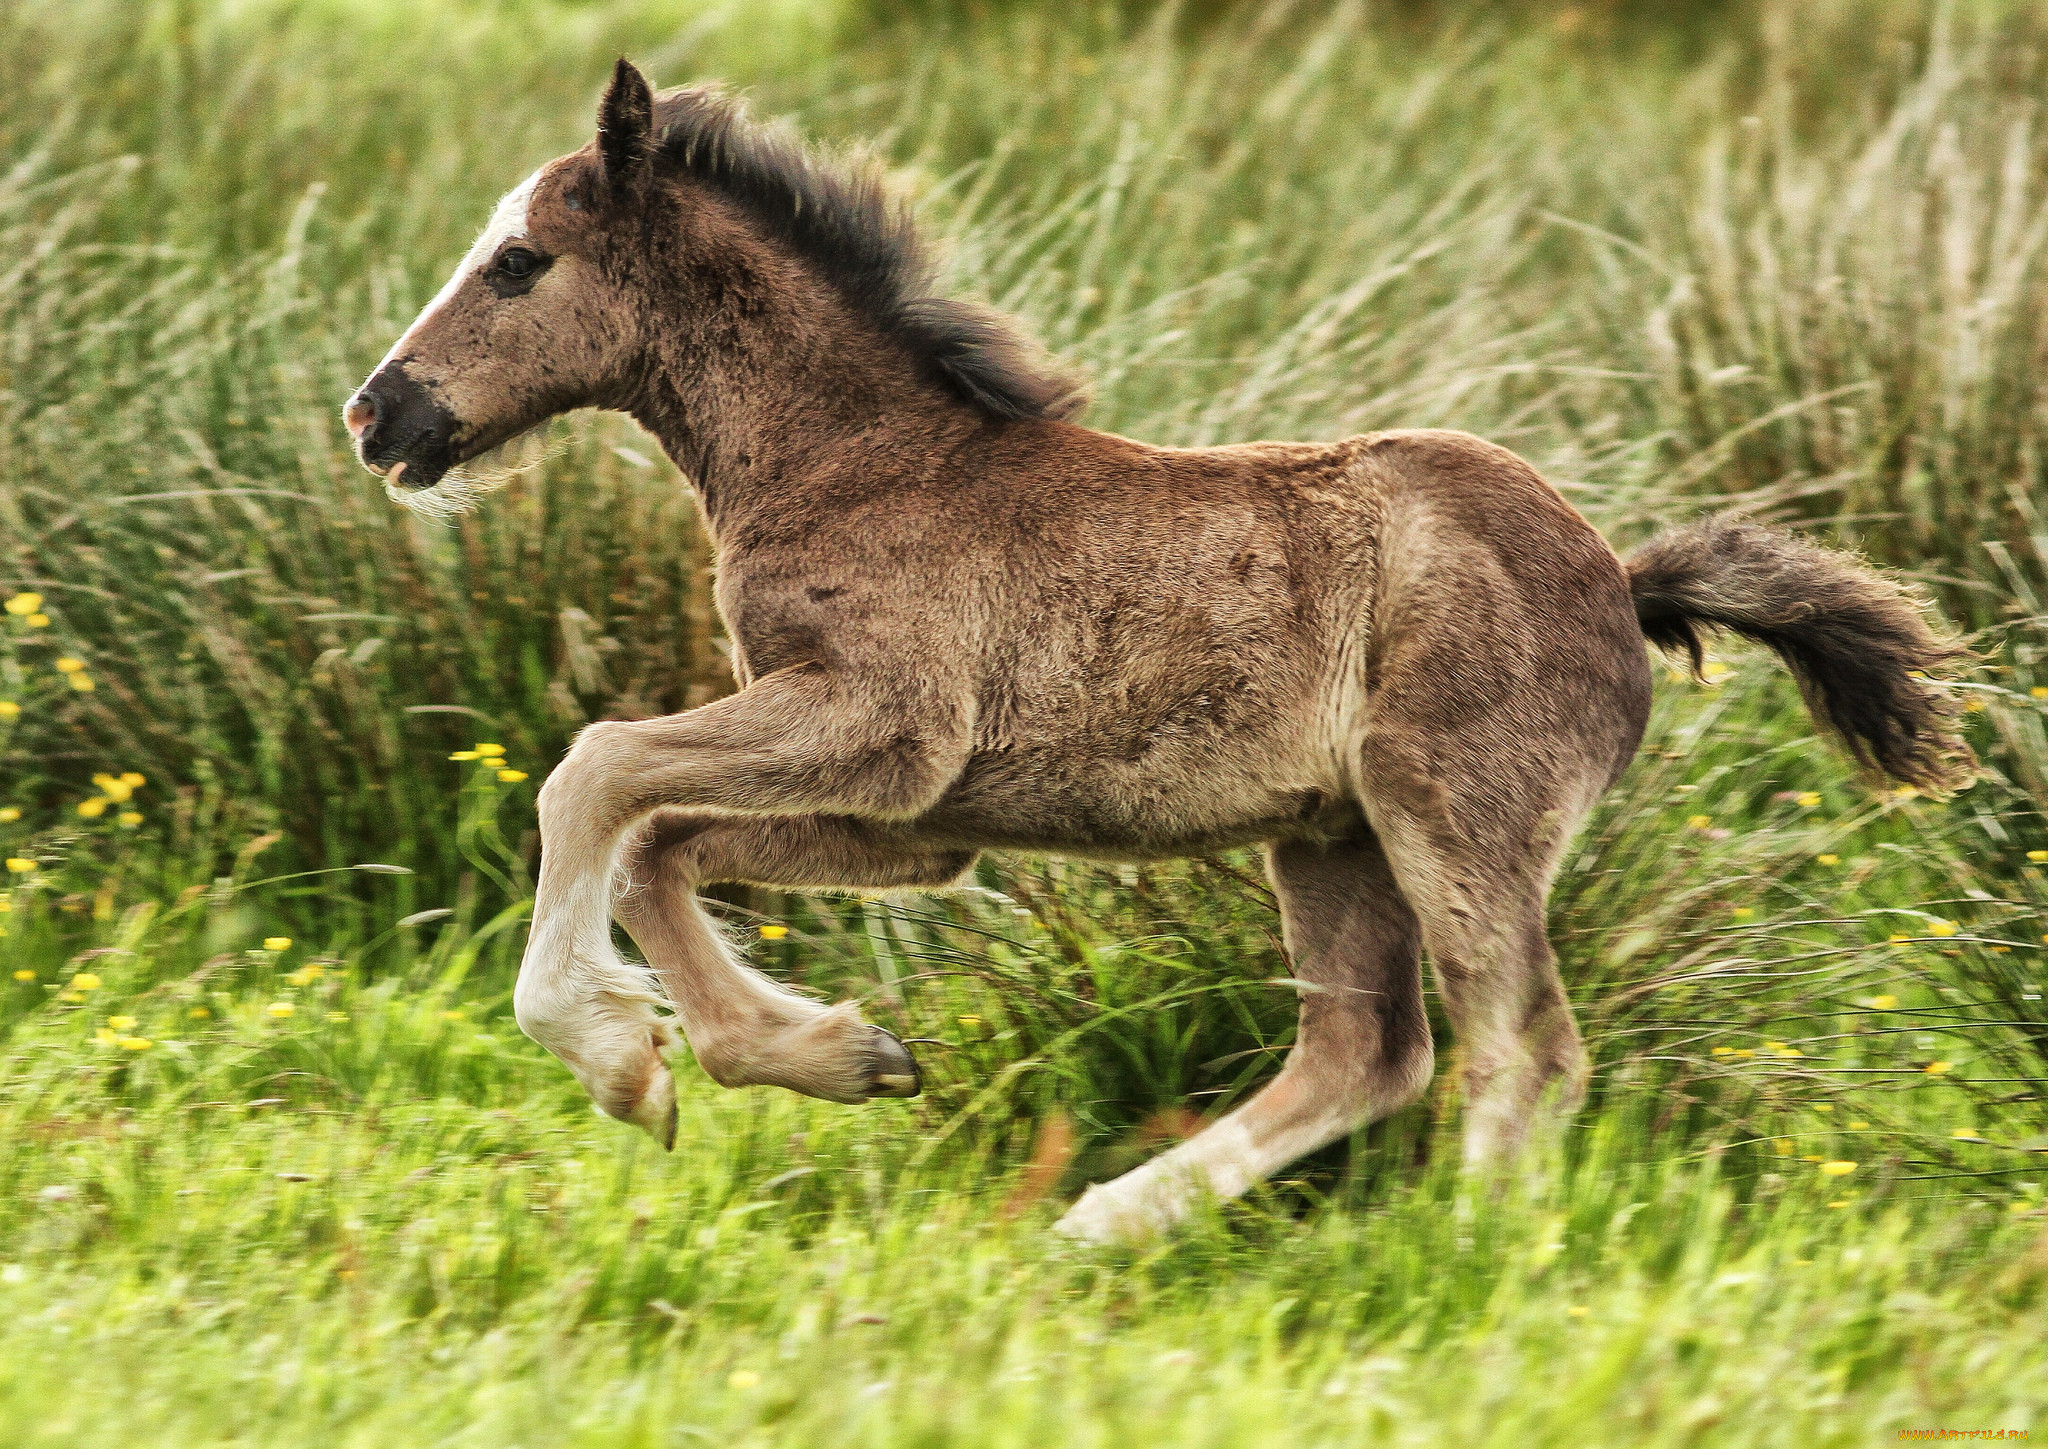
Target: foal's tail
[(1859, 644)]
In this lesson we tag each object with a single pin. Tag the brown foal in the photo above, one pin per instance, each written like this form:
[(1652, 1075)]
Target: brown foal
[(1400, 663)]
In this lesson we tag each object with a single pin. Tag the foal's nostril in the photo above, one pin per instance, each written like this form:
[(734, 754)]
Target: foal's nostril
[(361, 415)]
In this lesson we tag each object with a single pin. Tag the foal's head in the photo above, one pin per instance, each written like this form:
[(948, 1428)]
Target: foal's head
[(537, 319), (682, 234)]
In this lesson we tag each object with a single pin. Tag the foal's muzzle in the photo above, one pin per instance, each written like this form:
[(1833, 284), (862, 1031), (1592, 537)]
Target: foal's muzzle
[(402, 431)]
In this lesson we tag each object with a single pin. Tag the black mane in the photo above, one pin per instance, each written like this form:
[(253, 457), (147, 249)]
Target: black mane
[(838, 219)]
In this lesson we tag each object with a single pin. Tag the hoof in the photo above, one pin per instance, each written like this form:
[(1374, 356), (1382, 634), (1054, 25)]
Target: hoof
[(894, 1070), (655, 1112)]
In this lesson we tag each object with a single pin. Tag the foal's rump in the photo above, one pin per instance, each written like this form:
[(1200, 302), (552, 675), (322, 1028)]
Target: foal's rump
[(1504, 628), (1503, 650)]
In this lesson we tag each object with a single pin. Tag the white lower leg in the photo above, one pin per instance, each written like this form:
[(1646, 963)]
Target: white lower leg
[(578, 998), (1223, 1160)]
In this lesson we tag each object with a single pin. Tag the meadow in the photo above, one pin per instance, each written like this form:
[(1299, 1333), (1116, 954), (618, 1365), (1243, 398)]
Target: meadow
[(278, 1167)]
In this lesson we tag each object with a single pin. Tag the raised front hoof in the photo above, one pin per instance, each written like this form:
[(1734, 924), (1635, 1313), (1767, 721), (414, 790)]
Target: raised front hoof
[(653, 1111), (893, 1070)]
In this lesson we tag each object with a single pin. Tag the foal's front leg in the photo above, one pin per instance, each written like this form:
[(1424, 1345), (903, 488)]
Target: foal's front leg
[(745, 1029), (800, 741)]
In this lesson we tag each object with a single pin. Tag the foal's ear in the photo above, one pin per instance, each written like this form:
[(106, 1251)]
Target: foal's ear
[(625, 127)]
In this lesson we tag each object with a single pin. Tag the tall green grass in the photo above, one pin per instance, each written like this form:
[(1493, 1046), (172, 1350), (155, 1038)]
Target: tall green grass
[(1800, 277)]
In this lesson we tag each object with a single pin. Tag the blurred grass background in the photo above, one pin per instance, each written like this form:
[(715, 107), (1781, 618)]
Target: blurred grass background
[(1787, 259)]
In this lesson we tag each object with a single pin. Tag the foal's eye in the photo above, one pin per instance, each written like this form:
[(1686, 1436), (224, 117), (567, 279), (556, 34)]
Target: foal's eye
[(519, 263)]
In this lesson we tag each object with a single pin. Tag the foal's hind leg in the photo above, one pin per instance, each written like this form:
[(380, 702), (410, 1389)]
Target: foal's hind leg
[(745, 1029), (1362, 1051), (1475, 855)]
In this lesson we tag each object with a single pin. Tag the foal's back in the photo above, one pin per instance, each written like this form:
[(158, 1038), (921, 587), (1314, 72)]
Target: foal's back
[(1183, 647)]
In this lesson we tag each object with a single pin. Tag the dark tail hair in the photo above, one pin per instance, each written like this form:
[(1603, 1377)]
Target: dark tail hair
[(1852, 637)]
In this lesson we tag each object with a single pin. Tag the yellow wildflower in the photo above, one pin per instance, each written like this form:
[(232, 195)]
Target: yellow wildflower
[(490, 749), (1810, 798), (121, 1023), (1859, 1126), (1745, 1051), (280, 1009), (277, 943), (1938, 1069), (39, 621), (128, 819), (1905, 792), (774, 933), (1884, 1002), (104, 1037), (2038, 856), (19, 866), (453, 1014), (82, 683), (1715, 669), (1577, 1311), (463, 755), (1840, 1202), (300, 978), (1973, 706), (1723, 1051), (1782, 1146), (85, 981), (113, 789), (1698, 822), (9, 709), (1743, 913), (743, 1378), (9, 814), (92, 809), (1939, 927), (1823, 1106), (1899, 938), (1829, 859), (136, 1043), (199, 1013), (1967, 1134), (30, 603), (70, 666), (24, 975), (511, 777), (2039, 691), (1837, 1169), (133, 780)]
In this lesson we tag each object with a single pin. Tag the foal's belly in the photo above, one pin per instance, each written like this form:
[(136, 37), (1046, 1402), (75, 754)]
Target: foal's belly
[(1192, 802)]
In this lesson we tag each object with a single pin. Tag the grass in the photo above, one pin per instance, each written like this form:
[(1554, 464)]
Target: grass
[(1784, 261)]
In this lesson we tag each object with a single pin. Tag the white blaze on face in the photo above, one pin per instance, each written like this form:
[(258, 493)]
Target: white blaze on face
[(507, 222)]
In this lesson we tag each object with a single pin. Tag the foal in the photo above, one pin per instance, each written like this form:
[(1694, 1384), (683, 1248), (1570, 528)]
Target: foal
[(1400, 663)]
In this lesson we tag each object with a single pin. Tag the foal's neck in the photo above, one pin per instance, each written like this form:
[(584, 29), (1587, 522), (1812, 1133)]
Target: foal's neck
[(796, 403)]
